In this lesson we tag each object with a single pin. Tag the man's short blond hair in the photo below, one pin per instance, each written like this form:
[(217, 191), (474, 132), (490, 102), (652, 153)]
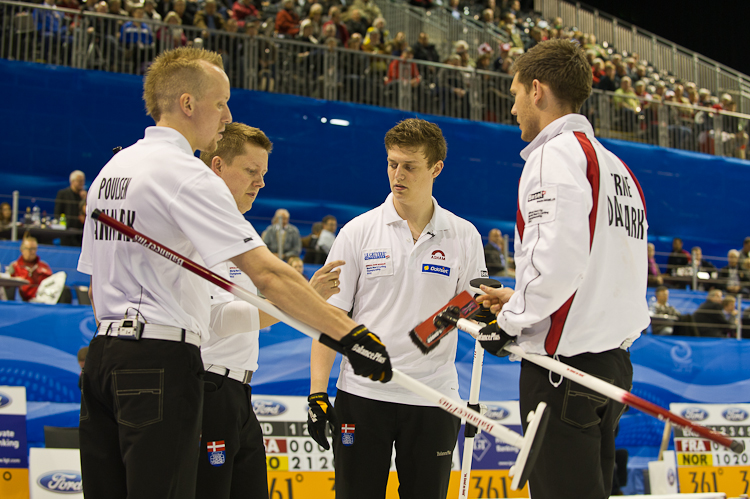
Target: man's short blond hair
[(233, 140), (176, 72)]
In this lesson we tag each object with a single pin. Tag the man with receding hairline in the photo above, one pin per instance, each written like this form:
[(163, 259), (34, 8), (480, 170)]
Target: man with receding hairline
[(142, 387), (580, 257)]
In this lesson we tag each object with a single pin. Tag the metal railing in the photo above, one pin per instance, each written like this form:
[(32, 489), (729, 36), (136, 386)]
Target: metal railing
[(121, 44), (659, 52)]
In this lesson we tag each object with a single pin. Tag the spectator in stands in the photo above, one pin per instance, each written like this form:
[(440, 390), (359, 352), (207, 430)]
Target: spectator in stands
[(379, 24), (744, 252), (306, 35), (149, 10), (455, 9), (243, 11), (180, 8), (30, 267), (310, 243), (662, 307), (282, 238), (327, 235), (678, 258), (316, 20), (733, 276), (398, 44), (287, 20), (454, 97), (710, 317), (692, 93), (369, 10), (508, 24), (172, 35), (297, 264), (627, 105), (136, 32), (461, 49), (700, 264), (536, 35), (392, 82), (6, 216), (654, 274), (356, 23), (608, 81), (499, 63), (115, 8), (67, 202), (334, 18), (209, 18), (494, 256), (704, 97), (661, 90), (424, 50)]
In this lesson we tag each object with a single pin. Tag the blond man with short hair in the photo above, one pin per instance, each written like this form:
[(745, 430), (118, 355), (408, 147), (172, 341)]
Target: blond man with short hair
[(142, 391)]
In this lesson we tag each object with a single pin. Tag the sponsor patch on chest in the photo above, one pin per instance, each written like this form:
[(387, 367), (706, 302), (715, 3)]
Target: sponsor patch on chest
[(377, 262), (429, 268)]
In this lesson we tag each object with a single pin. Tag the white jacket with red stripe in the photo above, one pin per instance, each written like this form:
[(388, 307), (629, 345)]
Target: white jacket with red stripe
[(580, 247)]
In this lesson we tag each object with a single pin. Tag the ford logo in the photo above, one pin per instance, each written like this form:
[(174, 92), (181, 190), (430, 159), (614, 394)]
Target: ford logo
[(694, 414), (62, 482), (734, 414), (5, 400), (268, 408), (496, 412)]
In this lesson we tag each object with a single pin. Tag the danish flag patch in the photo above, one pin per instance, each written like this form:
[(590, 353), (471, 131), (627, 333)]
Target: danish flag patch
[(216, 453), (347, 434)]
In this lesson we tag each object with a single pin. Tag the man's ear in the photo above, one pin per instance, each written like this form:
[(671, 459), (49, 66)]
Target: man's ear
[(537, 91), (437, 169), (187, 104), (218, 165)]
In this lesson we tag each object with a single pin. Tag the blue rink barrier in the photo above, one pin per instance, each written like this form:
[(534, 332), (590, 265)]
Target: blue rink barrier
[(39, 343)]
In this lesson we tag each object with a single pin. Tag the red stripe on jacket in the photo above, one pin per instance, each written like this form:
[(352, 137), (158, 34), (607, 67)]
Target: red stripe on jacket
[(559, 317)]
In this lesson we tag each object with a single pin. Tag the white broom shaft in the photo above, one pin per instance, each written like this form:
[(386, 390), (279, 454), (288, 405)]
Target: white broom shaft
[(476, 382)]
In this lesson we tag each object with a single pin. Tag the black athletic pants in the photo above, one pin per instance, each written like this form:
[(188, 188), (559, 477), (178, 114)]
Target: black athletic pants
[(425, 438), (577, 457), (141, 412), (228, 417)]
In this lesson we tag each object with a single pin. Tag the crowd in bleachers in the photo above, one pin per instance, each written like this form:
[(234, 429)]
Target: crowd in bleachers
[(727, 284)]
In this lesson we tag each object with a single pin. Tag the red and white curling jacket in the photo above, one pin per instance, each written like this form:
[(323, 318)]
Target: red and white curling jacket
[(580, 247)]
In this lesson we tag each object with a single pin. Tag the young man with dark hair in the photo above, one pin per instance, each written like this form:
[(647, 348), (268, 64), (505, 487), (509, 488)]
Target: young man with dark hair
[(404, 260), (580, 254)]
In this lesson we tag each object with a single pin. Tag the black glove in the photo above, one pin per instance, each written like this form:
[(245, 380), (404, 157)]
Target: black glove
[(319, 415), (493, 339), (367, 354), (484, 315)]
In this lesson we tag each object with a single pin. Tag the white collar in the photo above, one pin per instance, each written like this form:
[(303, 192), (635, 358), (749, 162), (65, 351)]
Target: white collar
[(169, 134), (567, 123)]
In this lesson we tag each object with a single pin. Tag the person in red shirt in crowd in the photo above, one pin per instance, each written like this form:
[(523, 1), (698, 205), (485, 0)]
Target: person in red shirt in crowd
[(395, 65), (334, 17), (30, 267), (242, 9), (287, 21)]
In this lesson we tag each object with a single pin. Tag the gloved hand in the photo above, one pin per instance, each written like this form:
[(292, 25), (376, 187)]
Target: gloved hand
[(484, 315), (319, 414), (367, 354), (493, 339)]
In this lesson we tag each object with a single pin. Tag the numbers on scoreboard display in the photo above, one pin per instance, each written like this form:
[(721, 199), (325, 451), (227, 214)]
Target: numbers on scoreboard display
[(292, 448)]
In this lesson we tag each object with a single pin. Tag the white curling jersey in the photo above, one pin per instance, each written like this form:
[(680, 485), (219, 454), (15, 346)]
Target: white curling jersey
[(392, 284), (239, 351), (580, 247), (158, 187)]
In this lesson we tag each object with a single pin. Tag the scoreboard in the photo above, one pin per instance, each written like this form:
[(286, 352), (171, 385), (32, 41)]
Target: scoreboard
[(705, 466), (300, 468)]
